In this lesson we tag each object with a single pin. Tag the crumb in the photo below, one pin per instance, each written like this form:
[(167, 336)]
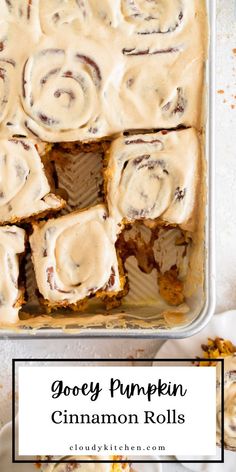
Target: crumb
[(233, 107), (171, 288), (220, 91), (234, 51)]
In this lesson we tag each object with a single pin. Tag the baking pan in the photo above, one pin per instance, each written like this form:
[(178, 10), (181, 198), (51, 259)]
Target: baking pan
[(141, 314)]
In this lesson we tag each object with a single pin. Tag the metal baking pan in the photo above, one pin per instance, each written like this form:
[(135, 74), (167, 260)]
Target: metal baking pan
[(137, 318)]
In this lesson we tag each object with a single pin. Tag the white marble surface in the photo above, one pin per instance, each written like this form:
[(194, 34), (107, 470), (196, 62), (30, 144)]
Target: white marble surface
[(225, 231)]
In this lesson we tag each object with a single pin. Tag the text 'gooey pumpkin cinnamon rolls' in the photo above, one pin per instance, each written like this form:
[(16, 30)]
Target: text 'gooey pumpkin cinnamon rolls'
[(75, 257), (150, 176)]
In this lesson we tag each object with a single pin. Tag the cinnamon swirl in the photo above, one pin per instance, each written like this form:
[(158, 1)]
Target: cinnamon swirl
[(74, 257), (153, 176), (157, 88), (149, 17), (24, 189), (12, 244), (61, 93)]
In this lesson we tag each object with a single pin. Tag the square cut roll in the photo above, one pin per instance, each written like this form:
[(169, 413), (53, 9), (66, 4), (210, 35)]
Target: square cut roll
[(154, 176), (12, 245), (74, 257), (24, 189)]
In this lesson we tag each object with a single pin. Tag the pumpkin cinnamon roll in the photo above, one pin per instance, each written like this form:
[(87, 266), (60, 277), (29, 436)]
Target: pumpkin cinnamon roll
[(74, 257), (157, 88), (24, 188), (61, 92), (12, 245), (150, 176)]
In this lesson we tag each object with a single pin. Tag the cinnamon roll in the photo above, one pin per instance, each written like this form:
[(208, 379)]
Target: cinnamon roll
[(151, 176), (153, 16), (74, 257), (229, 403), (24, 188), (157, 88), (61, 93), (12, 244)]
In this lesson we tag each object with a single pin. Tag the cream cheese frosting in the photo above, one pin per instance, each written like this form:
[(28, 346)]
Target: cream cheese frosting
[(24, 188), (154, 176), (74, 256), (12, 244), (152, 17), (142, 17), (229, 402), (66, 83)]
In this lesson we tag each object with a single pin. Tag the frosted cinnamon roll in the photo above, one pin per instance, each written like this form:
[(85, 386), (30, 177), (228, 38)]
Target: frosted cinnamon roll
[(157, 87), (90, 467), (74, 257), (149, 17), (12, 244), (61, 93), (229, 403), (24, 188), (151, 176)]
